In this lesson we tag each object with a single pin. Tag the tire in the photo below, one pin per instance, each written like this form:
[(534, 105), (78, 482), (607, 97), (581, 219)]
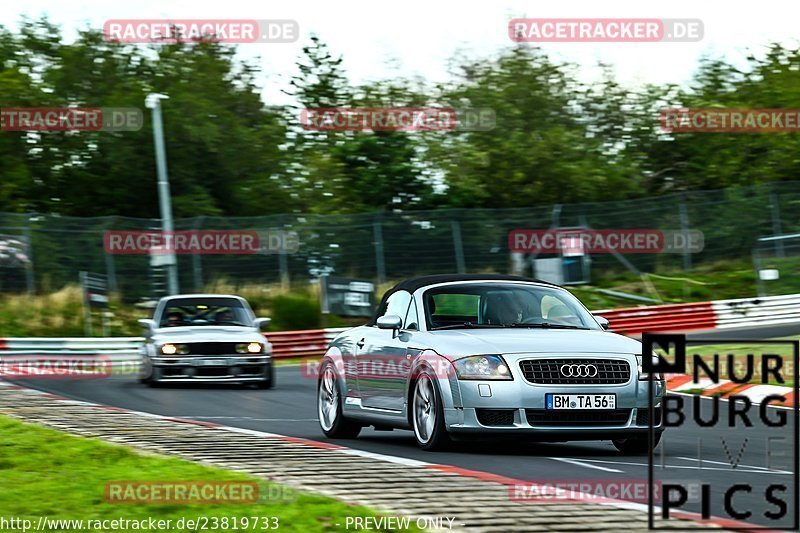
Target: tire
[(635, 445), (329, 407), (427, 414), (270, 381), (145, 371), (151, 377)]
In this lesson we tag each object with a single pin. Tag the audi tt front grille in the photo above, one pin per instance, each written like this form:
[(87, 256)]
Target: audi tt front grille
[(577, 417), (576, 371), (643, 416), (495, 417)]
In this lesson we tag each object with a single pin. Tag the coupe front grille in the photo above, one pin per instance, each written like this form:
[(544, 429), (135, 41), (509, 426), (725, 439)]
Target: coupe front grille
[(212, 348), (548, 371), (495, 417), (577, 417)]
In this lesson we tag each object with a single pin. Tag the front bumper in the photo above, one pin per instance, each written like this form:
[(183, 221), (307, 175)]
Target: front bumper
[(518, 406), (235, 368)]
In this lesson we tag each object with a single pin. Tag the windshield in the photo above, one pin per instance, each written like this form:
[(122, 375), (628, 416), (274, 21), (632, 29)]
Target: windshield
[(205, 312), (504, 305)]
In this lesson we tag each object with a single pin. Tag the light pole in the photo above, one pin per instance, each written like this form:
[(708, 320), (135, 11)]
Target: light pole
[(153, 102)]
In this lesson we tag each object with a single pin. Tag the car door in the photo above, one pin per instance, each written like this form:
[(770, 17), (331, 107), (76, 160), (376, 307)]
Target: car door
[(383, 362)]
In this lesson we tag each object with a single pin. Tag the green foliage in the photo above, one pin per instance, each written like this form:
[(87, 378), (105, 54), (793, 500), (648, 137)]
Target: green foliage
[(295, 311), (557, 140)]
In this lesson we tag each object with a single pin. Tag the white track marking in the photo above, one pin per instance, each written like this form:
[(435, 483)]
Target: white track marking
[(762, 468), (581, 463), (686, 467), (250, 418)]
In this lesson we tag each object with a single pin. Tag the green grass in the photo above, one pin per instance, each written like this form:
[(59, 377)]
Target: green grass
[(48, 473), (712, 281)]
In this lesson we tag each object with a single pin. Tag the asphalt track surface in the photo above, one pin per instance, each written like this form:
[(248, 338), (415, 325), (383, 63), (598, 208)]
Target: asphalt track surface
[(691, 454)]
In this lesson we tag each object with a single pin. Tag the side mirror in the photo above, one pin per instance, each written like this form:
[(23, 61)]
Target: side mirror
[(389, 322), (603, 321), (148, 325), (259, 323)]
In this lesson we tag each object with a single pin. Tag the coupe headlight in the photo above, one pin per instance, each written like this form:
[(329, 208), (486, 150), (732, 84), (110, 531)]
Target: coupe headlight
[(173, 349), (642, 374), (482, 367), (253, 347)]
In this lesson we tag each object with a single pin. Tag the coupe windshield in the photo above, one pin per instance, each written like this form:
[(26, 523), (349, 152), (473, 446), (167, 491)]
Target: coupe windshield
[(471, 305), (205, 312)]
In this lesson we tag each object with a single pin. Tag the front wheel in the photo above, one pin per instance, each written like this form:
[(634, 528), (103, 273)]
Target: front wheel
[(329, 407), (428, 415), (636, 445), (269, 382)]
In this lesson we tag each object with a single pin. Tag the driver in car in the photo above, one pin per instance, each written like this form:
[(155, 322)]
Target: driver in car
[(174, 318), (502, 308)]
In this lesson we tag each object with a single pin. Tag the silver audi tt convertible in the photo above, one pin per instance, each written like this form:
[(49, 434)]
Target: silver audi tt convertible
[(454, 356)]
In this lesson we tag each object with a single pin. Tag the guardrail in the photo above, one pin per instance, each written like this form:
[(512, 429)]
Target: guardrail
[(70, 346), (744, 312), (306, 343), (720, 314), (673, 317)]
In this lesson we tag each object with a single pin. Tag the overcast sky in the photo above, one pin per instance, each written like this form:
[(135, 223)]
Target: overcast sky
[(381, 39)]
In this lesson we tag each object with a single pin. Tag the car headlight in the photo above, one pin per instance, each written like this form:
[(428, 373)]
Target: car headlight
[(482, 367), (642, 374), (173, 349), (252, 347)]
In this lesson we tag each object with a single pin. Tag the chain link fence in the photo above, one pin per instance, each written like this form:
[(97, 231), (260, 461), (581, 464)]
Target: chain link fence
[(42, 253)]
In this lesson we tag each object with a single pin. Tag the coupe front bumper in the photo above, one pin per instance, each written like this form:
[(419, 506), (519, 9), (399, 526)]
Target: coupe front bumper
[(235, 368), (512, 407)]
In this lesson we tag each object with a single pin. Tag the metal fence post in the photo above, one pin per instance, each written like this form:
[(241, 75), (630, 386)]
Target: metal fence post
[(283, 262), (197, 260), (111, 273), (87, 312), (684, 217), (380, 265), (30, 280), (458, 246), (775, 209), (757, 267)]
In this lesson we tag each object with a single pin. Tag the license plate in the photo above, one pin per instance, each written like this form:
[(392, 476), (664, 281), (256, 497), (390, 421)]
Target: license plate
[(581, 401), (211, 362)]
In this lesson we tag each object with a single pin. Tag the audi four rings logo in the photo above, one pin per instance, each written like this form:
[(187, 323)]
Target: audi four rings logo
[(578, 371)]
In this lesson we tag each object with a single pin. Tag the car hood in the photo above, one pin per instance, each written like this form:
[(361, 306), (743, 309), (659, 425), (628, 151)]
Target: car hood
[(186, 334), (457, 343)]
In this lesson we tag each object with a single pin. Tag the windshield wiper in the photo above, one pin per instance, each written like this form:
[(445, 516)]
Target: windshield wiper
[(543, 325), (467, 325)]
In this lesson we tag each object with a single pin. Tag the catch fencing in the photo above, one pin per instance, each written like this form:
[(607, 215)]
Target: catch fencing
[(720, 314), (42, 253)]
